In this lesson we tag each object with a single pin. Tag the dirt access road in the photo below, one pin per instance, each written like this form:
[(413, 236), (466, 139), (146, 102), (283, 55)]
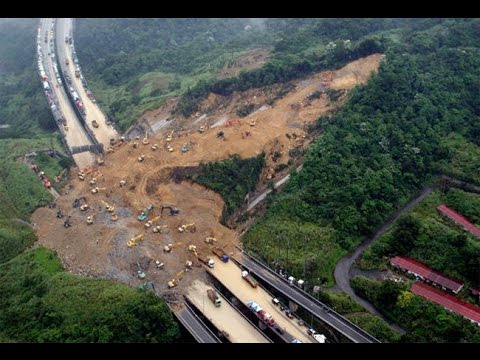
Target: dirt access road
[(100, 249), (75, 135), (104, 132)]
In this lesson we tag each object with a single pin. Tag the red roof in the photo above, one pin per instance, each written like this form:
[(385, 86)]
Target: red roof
[(459, 219), (427, 273), (450, 302)]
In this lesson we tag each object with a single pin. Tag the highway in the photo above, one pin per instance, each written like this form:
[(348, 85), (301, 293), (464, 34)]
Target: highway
[(104, 132), (75, 135), (195, 326), (320, 310)]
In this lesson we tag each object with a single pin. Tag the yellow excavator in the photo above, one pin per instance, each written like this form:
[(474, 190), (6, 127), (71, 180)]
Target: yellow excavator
[(193, 249), (158, 228), (90, 219), (133, 240), (145, 139), (108, 207), (174, 282), (96, 189), (210, 240), (151, 222), (168, 248), (170, 136), (187, 228)]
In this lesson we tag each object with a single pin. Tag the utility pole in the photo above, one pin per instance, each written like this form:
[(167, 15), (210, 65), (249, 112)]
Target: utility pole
[(288, 247), (278, 250)]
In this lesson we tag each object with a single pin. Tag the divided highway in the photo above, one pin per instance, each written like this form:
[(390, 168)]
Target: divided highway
[(195, 326), (320, 310), (75, 135)]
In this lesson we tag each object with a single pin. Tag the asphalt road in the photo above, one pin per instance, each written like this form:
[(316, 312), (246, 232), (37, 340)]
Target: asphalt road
[(321, 311), (343, 269), (195, 326)]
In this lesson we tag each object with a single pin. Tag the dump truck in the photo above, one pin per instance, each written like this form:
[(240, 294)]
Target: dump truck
[(207, 261), (246, 276), (221, 254), (212, 295)]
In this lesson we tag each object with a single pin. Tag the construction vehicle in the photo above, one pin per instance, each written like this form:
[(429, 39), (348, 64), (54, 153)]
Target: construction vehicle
[(188, 265), (213, 296), (89, 219), (122, 183), (159, 264), (168, 248), (207, 261), (151, 221), (133, 240), (184, 148), (143, 215), (202, 128), (96, 189), (134, 144), (210, 240), (141, 158), (67, 222), (93, 181), (173, 210), (170, 136), (187, 228), (114, 217), (145, 139), (158, 228), (95, 123), (169, 148), (108, 207), (140, 272), (252, 122), (246, 276), (67, 62), (174, 282), (59, 214), (221, 254), (154, 147), (81, 175), (220, 135), (318, 337), (100, 161), (77, 73), (193, 249)]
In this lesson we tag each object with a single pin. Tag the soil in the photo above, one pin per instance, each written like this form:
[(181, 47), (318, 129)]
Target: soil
[(101, 250)]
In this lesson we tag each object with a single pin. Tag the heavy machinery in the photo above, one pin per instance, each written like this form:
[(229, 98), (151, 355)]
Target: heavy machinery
[(187, 228), (100, 161), (143, 215), (210, 240), (77, 202), (213, 296), (246, 276), (140, 272), (151, 221), (133, 240), (174, 282), (170, 136), (188, 265), (93, 181), (108, 207), (155, 147), (169, 148), (173, 210), (81, 175), (96, 189), (158, 228), (122, 183), (67, 222), (159, 264), (221, 254), (193, 249), (95, 123), (114, 217), (220, 135), (207, 261), (184, 148), (252, 122), (202, 128), (168, 248), (145, 139), (141, 158), (59, 214), (89, 219)]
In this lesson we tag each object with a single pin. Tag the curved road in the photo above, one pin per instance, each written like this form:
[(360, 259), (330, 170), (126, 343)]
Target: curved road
[(343, 269)]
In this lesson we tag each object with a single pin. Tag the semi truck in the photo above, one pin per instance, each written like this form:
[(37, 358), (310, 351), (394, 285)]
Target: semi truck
[(246, 276), (221, 254), (213, 296)]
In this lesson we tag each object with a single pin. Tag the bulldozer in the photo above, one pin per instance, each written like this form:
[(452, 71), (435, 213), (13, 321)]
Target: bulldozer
[(108, 207), (143, 215), (210, 240), (170, 136), (174, 282), (168, 248), (187, 228), (96, 189), (133, 241), (173, 210), (151, 221)]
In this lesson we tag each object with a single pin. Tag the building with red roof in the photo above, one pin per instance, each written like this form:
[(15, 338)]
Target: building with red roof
[(423, 272), (459, 219), (449, 302)]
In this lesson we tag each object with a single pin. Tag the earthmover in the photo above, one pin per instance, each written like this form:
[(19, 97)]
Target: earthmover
[(210, 240), (145, 139), (174, 282), (133, 240), (187, 228), (108, 207), (151, 221), (168, 248), (158, 228), (173, 210), (170, 136), (143, 215)]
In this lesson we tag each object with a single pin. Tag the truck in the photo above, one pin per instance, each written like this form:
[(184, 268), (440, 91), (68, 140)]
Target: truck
[(318, 337), (213, 296), (207, 261), (246, 276), (95, 123), (67, 62), (221, 254), (77, 73), (260, 313)]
